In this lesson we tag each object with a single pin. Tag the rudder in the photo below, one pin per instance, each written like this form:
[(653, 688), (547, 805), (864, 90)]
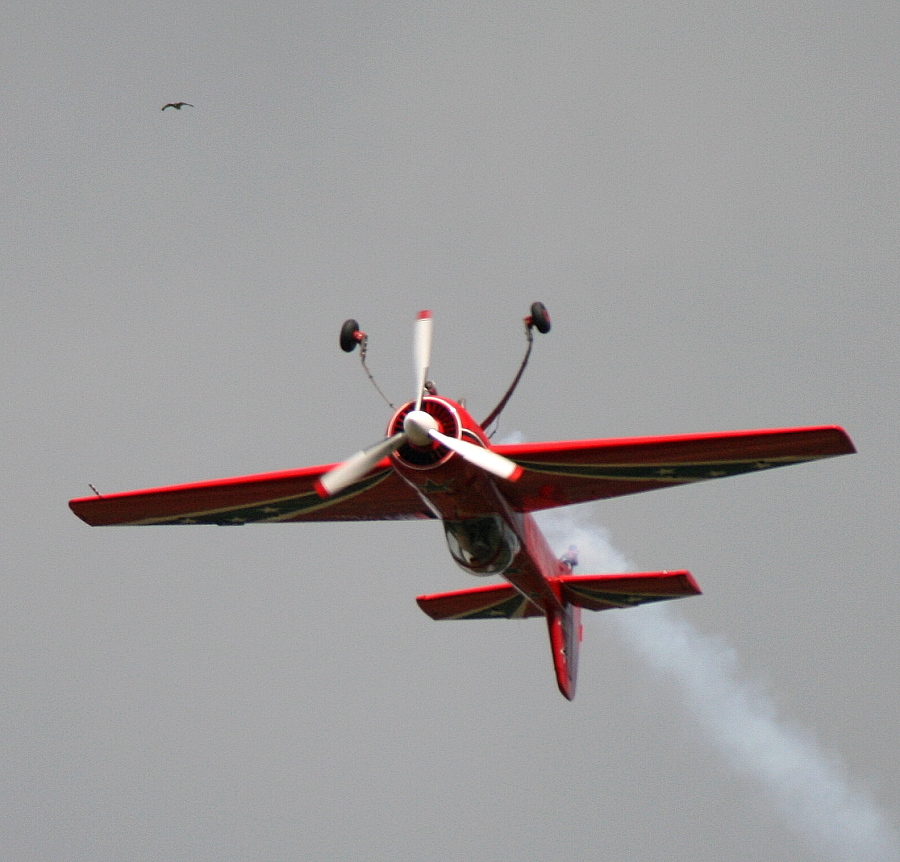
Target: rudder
[(564, 626)]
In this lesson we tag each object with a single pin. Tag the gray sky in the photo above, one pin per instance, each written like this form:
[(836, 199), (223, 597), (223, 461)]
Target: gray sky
[(704, 195)]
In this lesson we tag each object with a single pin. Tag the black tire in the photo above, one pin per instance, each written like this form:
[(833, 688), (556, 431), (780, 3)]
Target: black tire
[(540, 318), (348, 336)]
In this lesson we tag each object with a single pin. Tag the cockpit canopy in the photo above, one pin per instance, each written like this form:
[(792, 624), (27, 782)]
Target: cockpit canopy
[(482, 546)]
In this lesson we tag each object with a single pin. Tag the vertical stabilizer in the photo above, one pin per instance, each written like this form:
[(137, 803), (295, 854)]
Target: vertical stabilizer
[(565, 638)]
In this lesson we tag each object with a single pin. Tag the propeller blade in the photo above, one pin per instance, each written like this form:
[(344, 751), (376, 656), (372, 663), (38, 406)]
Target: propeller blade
[(356, 466), (422, 353), (484, 458)]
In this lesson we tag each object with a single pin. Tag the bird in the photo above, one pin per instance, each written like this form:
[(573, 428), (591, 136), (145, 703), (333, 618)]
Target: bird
[(177, 105)]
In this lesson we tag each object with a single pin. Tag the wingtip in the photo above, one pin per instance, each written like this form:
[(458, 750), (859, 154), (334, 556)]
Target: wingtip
[(81, 508), (848, 442)]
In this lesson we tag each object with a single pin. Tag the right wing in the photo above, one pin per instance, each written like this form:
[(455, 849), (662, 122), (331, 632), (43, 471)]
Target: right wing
[(577, 471), (380, 495)]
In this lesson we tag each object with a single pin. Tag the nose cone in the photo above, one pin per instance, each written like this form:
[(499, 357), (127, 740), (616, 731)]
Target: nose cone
[(417, 424)]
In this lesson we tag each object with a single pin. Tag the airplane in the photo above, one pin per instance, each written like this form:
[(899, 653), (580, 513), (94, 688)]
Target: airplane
[(437, 462)]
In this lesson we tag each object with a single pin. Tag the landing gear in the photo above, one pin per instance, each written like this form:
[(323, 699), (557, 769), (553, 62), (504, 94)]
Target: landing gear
[(350, 336), (540, 317)]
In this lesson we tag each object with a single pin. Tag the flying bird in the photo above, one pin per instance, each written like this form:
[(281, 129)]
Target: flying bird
[(176, 105)]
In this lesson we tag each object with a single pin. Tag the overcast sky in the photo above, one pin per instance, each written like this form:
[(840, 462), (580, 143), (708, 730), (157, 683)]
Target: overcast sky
[(705, 195)]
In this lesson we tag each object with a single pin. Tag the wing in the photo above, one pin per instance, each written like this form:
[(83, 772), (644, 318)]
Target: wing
[(559, 474), (381, 495)]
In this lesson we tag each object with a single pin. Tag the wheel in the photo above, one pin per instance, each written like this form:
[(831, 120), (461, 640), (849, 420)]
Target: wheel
[(540, 317), (348, 336)]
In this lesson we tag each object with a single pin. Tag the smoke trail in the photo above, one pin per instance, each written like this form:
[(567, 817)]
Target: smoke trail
[(810, 788)]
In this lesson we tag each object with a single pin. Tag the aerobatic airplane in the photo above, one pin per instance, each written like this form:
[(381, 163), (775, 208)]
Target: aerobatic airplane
[(436, 461)]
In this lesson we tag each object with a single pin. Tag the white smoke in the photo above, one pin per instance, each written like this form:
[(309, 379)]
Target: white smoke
[(809, 787)]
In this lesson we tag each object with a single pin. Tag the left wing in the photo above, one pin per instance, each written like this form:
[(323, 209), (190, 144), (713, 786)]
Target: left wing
[(380, 495), (559, 474)]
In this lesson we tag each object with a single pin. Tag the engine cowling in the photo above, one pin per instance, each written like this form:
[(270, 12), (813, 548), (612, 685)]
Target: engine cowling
[(432, 454)]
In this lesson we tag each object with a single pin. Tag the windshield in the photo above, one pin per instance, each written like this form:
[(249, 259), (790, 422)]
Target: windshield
[(482, 546)]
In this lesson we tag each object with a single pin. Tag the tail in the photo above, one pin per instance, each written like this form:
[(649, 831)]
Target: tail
[(593, 592), (566, 633)]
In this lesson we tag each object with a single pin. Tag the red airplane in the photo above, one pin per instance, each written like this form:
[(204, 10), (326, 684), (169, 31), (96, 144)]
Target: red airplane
[(438, 462)]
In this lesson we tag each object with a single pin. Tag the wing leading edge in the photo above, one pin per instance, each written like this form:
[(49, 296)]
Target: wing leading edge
[(560, 474), (381, 495)]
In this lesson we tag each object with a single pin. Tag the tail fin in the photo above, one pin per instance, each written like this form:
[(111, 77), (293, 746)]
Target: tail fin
[(598, 593), (593, 592), (565, 639)]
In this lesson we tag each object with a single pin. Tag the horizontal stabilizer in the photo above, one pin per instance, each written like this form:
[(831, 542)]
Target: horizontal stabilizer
[(496, 601), (601, 592), (592, 592)]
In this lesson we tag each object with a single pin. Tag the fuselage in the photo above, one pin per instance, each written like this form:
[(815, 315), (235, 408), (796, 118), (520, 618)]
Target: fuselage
[(485, 535)]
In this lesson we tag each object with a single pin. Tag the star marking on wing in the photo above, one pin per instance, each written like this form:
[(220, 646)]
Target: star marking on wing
[(432, 487)]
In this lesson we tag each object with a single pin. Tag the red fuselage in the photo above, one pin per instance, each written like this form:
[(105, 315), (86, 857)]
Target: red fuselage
[(486, 536)]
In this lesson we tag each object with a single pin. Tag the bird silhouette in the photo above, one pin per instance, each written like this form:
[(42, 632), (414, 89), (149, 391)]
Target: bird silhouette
[(177, 105)]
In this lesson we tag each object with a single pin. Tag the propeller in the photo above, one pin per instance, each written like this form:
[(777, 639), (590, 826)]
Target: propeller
[(421, 353), (356, 466), (419, 428), (484, 458)]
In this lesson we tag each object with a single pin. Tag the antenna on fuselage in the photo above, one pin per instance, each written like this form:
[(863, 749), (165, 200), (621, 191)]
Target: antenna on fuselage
[(351, 335), (539, 319)]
